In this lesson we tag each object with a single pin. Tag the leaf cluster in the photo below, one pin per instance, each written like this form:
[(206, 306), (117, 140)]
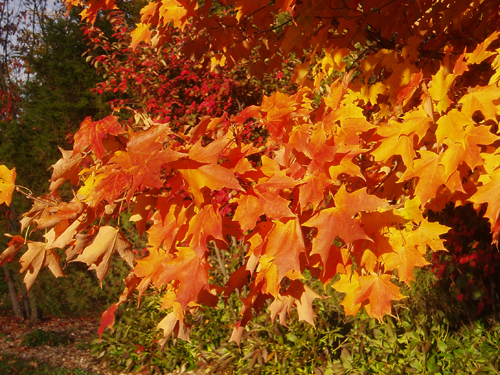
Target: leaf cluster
[(340, 181)]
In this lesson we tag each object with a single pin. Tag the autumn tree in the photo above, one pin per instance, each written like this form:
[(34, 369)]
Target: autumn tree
[(389, 121)]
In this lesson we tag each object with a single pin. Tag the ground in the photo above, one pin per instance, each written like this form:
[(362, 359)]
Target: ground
[(75, 355)]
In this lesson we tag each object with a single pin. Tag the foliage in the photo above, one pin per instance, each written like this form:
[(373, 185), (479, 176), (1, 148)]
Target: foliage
[(183, 91), (423, 336), (39, 337), (10, 365), (340, 182)]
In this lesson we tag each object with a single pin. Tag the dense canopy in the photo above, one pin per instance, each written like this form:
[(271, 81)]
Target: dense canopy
[(395, 114)]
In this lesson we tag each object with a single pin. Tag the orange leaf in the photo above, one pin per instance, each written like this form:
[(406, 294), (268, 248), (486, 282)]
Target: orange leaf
[(167, 221), (480, 54), (441, 83), (285, 244), (248, 211), (339, 221), (92, 133), (490, 193), (304, 297), (484, 99), (191, 272), (212, 176), (207, 223), (36, 258), (379, 292)]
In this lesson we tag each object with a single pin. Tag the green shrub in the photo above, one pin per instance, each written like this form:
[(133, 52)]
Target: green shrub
[(422, 336), (39, 337)]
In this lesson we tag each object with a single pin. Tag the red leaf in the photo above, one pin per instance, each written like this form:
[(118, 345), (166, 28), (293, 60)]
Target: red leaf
[(92, 133), (107, 319)]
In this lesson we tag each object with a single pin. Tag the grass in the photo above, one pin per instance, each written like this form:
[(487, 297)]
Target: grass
[(14, 365)]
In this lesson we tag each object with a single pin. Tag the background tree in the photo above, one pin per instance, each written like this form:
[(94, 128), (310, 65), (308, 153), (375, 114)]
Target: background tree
[(389, 121), (53, 96)]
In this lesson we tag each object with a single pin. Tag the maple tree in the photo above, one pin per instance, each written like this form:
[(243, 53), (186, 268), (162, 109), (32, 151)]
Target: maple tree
[(389, 120)]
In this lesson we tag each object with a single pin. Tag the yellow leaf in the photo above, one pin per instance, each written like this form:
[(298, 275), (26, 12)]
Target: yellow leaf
[(480, 54), (140, 34), (441, 83), (7, 184)]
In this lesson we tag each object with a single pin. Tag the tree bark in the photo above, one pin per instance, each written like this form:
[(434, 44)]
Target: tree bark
[(36, 313), (26, 302), (16, 306)]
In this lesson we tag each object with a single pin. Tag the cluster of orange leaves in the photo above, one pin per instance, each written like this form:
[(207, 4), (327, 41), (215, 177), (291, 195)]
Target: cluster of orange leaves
[(340, 187)]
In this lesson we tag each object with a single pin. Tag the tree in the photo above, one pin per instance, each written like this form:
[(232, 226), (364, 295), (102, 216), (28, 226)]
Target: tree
[(52, 85), (54, 102), (390, 120)]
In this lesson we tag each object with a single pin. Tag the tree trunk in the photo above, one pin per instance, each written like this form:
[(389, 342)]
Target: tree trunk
[(26, 302), (36, 313), (16, 306)]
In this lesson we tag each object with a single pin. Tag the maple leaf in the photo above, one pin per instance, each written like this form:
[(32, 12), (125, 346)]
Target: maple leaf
[(484, 99), (177, 11), (339, 221), (207, 222), (490, 193), (430, 173), (248, 211), (212, 176), (144, 159), (281, 307), (277, 109), (107, 319), (313, 190), (109, 187), (379, 291), (304, 297), (189, 270), (36, 258), (92, 133), (405, 257), (98, 254), (167, 221), (428, 233), (480, 54), (348, 284), (140, 34), (285, 244), (143, 204), (66, 168), (441, 83), (7, 184), (169, 323)]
